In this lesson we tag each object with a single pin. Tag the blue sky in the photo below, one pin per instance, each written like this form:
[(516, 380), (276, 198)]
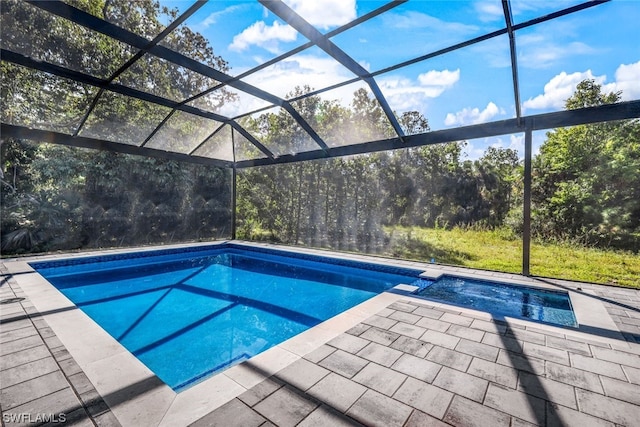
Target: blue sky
[(472, 85)]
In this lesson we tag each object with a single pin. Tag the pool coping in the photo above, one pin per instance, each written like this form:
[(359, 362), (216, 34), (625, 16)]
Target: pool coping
[(137, 397)]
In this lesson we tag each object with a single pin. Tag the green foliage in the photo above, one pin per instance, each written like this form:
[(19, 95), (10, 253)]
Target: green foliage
[(583, 175), (36, 99), (58, 198), (343, 203), (497, 250), (587, 178)]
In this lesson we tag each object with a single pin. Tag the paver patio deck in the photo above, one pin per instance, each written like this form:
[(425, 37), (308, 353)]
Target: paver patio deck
[(414, 363), (518, 376), (39, 380)]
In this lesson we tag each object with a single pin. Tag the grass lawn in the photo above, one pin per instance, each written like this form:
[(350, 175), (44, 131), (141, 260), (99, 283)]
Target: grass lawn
[(496, 250)]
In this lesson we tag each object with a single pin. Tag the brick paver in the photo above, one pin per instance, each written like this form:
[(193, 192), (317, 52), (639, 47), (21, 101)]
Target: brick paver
[(558, 415), (326, 416), (477, 349), (494, 372), (547, 389), (616, 356), (408, 329), (601, 367), (633, 374), (337, 391), (571, 346), (457, 382), (375, 409), (344, 363), (521, 362), (457, 319), (574, 377), (516, 403), (412, 346), (303, 374), (464, 412), (527, 336), (546, 353), (379, 335), (465, 332), (614, 410), (286, 407), (379, 353), (425, 397), (381, 379), (348, 343), (38, 377), (416, 367), (621, 390), (234, 412), (433, 324), (450, 358)]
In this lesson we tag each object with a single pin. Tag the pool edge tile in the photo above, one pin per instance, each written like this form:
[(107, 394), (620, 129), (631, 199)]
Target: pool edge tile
[(197, 401)]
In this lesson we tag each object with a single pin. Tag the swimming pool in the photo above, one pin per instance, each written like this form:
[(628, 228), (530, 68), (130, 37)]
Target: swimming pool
[(541, 305), (190, 313)]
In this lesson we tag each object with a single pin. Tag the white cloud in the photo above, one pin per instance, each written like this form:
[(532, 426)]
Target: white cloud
[(402, 93), (441, 79), (473, 115), (537, 52), (325, 14), (412, 20), (628, 81), (263, 35), (495, 55), (520, 6), (492, 10), (516, 142), (407, 94), (558, 89), (563, 85), (489, 11), (214, 17), (299, 70)]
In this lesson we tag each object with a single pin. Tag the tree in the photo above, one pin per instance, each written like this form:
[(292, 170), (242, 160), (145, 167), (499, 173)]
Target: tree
[(413, 122), (497, 174), (57, 197), (586, 178), (368, 119), (398, 174)]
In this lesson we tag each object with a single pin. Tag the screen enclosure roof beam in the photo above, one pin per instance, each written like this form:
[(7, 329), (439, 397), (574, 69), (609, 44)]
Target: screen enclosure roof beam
[(77, 76), (440, 52), (589, 115), (316, 37), (604, 113), (506, 7), (22, 132), (96, 24)]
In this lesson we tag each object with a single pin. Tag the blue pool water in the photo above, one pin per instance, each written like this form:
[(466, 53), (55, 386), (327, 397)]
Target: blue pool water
[(509, 300), (188, 315)]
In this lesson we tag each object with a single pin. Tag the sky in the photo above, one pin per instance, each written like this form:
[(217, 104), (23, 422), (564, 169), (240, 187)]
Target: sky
[(468, 86)]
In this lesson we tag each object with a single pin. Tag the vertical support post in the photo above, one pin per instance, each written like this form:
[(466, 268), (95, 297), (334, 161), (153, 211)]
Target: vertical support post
[(234, 191), (526, 223)]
